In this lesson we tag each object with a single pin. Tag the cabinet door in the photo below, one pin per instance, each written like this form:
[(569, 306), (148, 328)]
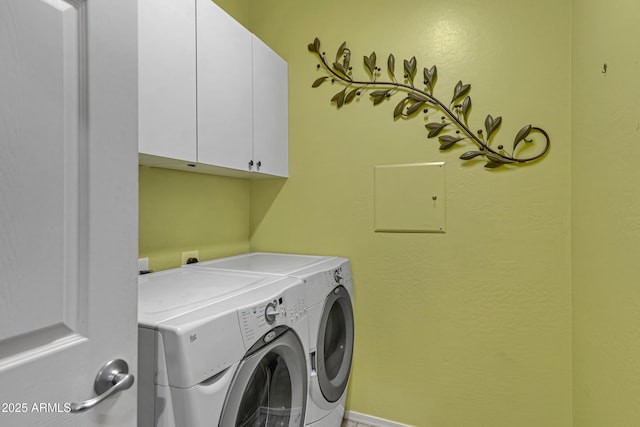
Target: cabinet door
[(270, 111), (224, 88), (167, 78)]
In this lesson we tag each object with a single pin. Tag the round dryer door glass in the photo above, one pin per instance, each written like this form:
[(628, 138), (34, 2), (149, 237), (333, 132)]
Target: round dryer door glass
[(335, 338), (270, 387), (335, 344)]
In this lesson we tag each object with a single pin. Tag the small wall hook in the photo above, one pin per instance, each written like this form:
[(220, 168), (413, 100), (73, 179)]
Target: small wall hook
[(604, 68)]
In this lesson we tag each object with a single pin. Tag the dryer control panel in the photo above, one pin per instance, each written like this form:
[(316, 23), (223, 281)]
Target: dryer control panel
[(338, 276), (286, 307)]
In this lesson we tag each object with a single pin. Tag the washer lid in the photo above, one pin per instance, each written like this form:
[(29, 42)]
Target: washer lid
[(261, 262), (167, 294)]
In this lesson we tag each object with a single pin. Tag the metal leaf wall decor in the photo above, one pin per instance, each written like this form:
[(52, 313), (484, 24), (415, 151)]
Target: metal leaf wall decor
[(453, 126)]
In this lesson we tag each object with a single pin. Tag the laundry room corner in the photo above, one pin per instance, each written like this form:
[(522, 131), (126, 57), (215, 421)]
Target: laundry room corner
[(467, 327), (606, 213)]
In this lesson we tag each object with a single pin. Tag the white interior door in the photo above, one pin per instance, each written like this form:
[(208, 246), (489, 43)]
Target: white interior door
[(68, 208)]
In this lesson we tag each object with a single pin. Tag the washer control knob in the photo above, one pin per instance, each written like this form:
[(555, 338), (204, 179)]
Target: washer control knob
[(270, 313)]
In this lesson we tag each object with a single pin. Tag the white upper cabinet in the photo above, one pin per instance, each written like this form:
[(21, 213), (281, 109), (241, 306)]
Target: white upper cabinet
[(270, 111), (213, 97), (224, 89), (167, 79)]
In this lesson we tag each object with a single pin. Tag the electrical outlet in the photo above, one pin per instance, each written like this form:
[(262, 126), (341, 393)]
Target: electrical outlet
[(143, 264), (189, 254)]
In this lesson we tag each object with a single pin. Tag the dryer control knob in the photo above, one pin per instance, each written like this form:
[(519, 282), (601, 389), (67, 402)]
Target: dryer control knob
[(336, 276)]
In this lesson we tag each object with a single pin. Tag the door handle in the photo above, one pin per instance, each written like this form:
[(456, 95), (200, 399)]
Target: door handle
[(112, 378)]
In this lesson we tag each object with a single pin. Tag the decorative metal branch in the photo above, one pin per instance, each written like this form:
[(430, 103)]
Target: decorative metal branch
[(414, 100)]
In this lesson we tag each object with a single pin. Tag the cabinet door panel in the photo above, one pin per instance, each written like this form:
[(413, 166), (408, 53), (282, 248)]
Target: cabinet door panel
[(270, 110), (167, 78), (224, 88)]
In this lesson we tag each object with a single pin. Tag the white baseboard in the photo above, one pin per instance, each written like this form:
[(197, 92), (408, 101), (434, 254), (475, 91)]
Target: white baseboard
[(357, 417)]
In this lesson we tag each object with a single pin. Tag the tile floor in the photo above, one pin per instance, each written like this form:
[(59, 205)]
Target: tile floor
[(346, 423)]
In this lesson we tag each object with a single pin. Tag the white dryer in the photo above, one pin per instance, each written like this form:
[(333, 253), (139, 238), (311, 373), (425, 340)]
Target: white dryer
[(329, 293), (221, 348)]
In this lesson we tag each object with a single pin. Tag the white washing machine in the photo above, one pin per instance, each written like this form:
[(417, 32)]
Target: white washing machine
[(221, 349), (329, 293)]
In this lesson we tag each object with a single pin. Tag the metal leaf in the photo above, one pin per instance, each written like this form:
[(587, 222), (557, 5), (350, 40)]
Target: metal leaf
[(379, 95), (370, 63), (491, 124), (466, 107), (496, 124), (460, 91), (346, 61), (496, 158), (339, 97), (382, 92), (367, 63), (410, 68), (319, 81), (339, 67), (351, 95), (522, 134), (400, 107), (391, 64), (415, 107), (435, 128), (430, 77), (492, 165), (407, 68), (447, 141), (341, 50), (315, 46), (418, 97), (471, 154)]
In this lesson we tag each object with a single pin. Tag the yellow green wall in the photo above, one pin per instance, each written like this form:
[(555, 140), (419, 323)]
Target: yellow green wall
[(606, 213), (239, 9), (183, 211), (471, 328)]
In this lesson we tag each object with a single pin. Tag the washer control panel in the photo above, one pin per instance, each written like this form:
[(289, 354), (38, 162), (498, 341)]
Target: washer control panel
[(283, 308)]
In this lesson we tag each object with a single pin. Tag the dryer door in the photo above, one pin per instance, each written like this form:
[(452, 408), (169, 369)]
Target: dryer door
[(335, 344), (270, 387)]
